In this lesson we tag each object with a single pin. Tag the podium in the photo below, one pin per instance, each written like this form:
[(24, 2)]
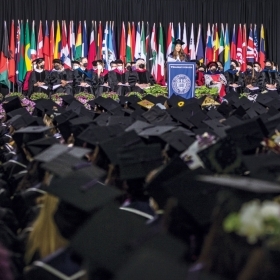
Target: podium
[(181, 79)]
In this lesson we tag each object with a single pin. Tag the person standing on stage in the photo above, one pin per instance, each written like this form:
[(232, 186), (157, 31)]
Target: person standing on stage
[(178, 53)]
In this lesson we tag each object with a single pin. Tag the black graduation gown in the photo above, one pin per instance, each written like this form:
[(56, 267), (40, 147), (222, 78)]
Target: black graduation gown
[(98, 82), (82, 76), (140, 77), (57, 76), (246, 79), (232, 78), (114, 77), (38, 77), (269, 77)]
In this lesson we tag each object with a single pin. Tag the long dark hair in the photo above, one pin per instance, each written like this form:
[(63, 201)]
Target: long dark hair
[(180, 53)]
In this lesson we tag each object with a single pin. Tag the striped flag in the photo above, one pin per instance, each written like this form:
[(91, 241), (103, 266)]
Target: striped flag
[(111, 51), (216, 43), (233, 51), (149, 54), (4, 56), (262, 54), (143, 43), (250, 46), (209, 43), (40, 41), (137, 52), (85, 41), (33, 42), (78, 44), (46, 48), (27, 56), (72, 40), (99, 41), (114, 41), (244, 48), (256, 44), (12, 47), (154, 52), (92, 47), (222, 45), (199, 47), (239, 52), (133, 34), (192, 45), (57, 47), (160, 59), (128, 45), (17, 53), (123, 44), (64, 54), (178, 34), (105, 44), (185, 40), (52, 42), (170, 39), (227, 50), (22, 66)]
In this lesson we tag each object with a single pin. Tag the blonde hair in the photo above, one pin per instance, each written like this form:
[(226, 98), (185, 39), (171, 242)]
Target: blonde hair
[(45, 238)]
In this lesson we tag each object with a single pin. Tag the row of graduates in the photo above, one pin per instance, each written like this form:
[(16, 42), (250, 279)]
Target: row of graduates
[(253, 80), (120, 79)]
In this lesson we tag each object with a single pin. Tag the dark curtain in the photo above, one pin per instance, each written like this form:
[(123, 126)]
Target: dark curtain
[(164, 11)]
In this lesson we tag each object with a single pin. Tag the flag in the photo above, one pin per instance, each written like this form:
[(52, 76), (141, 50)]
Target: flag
[(149, 54), (143, 43), (52, 43), (105, 45), (160, 59), (262, 55), (114, 48), (92, 47), (12, 47), (199, 46), (256, 44), (233, 53), (57, 47), (154, 52), (216, 43), (111, 51), (128, 45), (227, 50), (192, 45), (178, 34), (244, 49), (78, 45), (170, 36), (21, 66), (99, 41), (33, 42), (17, 52), (209, 43), (185, 40), (250, 46), (40, 41), (122, 44), (46, 49), (27, 56), (239, 52), (133, 40), (4, 56), (137, 52), (222, 45), (64, 54), (85, 41), (72, 40)]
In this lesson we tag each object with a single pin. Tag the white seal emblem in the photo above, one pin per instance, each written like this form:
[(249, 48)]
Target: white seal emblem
[(181, 84)]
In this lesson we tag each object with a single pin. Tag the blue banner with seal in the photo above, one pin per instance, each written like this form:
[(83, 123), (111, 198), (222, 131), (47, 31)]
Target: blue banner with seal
[(181, 79)]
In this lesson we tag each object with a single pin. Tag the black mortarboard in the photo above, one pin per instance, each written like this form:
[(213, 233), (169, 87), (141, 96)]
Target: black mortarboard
[(214, 114), (259, 108), (12, 105), (20, 121), (247, 135), (124, 140), (218, 127), (128, 99), (67, 98), (155, 130), (239, 112), (120, 120), (38, 60), (244, 102), (109, 247), (118, 61), (198, 118), (263, 99), (251, 113), (11, 168), (233, 121), (174, 100), (75, 62), (64, 117), (19, 111), (156, 115), (178, 42), (59, 61), (181, 116), (83, 189), (224, 109), (38, 146), (107, 104), (138, 126)]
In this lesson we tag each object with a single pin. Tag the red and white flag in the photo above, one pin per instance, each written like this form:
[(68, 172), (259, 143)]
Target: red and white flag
[(40, 41), (64, 53)]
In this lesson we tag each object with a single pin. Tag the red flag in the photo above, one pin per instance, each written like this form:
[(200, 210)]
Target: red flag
[(244, 49), (239, 52), (52, 42), (233, 44), (64, 52), (216, 43), (99, 42), (40, 41), (46, 48), (12, 63), (262, 53), (123, 44), (92, 48), (209, 45), (133, 39), (169, 39)]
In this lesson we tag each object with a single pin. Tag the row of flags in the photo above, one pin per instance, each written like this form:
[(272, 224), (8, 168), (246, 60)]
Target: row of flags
[(69, 42)]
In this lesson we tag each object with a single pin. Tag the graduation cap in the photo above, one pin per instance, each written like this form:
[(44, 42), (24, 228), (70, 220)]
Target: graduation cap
[(174, 100), (20, 121), (19, 111), (181, 116), (155, 130), (107, 104), (218, 127), (37, 146), (78, 125), (59, 61), (120, 120), (146, 104), (12, 105), (209, 102), (138, 126), (67, 98), (128, 99), (178, 42), (12, 167), (156, 115)]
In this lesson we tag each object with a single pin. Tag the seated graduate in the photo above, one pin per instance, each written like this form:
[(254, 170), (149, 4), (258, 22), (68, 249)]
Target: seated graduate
[(82, 81), (100, 77), (75, 64), (118, 79), (257, 67), (232, 77), (178, 53), (213, 78), (61, 79), (141, 77), (269, 79), (249, 79), (39, 78), (25, 83)]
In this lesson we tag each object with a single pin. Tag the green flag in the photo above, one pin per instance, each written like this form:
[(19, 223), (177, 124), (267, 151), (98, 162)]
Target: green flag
[(128, 45), (27, 53), (5, 55), (143, 50), (22, 66)]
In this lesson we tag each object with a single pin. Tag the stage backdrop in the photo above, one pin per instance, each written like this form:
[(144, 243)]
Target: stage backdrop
[(190, 11)]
